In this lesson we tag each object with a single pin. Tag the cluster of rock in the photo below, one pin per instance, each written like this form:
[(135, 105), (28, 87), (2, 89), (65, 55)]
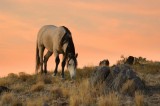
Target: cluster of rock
[(120, 78)]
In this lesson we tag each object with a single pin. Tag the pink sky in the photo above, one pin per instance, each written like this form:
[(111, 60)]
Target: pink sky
[(100, 29)]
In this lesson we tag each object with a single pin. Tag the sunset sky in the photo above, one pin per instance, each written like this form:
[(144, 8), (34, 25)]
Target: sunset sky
[(101, 29)]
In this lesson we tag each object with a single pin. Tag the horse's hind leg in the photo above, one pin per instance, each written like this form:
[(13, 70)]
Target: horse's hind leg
[(57, 60), (41, 50), (46, 57)]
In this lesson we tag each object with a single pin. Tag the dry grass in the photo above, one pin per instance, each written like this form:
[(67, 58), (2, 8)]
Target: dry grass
[(139, 98), (8, 99), (82, 95), (5, 82), (84, 73), (37, 87), (37, 102), (44, 78), (109, 100), (23, 76), (12, 75), (18, 87), (148, 68), (57, 92)]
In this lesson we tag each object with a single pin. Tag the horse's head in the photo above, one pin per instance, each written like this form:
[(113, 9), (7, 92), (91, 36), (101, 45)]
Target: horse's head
[(72, 65)]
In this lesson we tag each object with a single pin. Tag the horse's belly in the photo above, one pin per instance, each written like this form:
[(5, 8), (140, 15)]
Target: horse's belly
[(49, 48), (48, 44)]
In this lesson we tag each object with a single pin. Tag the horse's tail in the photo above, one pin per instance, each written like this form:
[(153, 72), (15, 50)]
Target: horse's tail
[(37, 59)]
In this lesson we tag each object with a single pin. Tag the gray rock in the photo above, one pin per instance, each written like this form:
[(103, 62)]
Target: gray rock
[(99, 75), (4, 89), (120, 74), (116, 77)]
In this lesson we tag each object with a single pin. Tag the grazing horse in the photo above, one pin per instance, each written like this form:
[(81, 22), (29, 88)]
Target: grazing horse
[(57, 40)]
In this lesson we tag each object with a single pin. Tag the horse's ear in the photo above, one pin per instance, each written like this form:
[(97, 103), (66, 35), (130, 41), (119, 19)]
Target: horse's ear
[(76, 55), (100, 63)]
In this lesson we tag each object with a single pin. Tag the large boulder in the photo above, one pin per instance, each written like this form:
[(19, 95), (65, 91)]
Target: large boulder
[(99, 75), (120, 78), (123, 79)]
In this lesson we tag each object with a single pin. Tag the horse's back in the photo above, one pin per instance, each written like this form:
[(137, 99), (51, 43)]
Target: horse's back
[(45, 29), (50, 36)]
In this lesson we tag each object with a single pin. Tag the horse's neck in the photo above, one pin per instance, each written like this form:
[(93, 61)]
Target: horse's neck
[(70, 47)]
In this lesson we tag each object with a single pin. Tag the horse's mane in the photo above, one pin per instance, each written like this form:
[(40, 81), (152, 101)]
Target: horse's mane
[(66, 38), (67, 30)]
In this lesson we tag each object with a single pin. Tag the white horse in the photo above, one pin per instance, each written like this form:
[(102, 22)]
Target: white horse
[(57, 40)]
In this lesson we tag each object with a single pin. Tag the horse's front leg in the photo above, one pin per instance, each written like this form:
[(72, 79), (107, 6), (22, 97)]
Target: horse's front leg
[(63, 65), (57, 60)]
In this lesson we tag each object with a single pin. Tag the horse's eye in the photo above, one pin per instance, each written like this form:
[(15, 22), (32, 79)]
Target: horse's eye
[(69, 64)]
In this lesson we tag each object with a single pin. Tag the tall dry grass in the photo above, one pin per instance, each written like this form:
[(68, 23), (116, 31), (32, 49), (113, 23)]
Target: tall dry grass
[(18, 87), (110, 99), (23, 76), (139, 98), (8, 99), (37, 87), (81, 95), (40, 101)]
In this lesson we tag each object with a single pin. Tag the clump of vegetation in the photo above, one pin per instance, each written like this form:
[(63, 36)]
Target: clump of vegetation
[(23, 76), (38, 87), (8, 99), (82, 95), (12, 75), (143, 65), (109, 100), (46, 79), (40, 101), (139, 98), (18, 87), (57, 92), (5, 82)]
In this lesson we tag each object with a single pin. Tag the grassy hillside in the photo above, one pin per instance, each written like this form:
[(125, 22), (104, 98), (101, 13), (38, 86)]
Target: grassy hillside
[(39, 90)]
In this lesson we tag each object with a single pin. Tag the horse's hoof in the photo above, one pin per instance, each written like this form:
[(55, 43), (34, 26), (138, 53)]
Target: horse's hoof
[(45, 72), (63, 78), (54, 75), (41, 72)]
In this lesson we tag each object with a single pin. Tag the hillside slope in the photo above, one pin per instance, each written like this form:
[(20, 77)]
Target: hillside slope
[(45, 90)]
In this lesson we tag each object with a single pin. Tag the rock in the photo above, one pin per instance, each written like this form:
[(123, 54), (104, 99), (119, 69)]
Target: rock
[(120, 78), (99, 75), (130, 60), (104, 63), (4, 89), (123, 78)]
